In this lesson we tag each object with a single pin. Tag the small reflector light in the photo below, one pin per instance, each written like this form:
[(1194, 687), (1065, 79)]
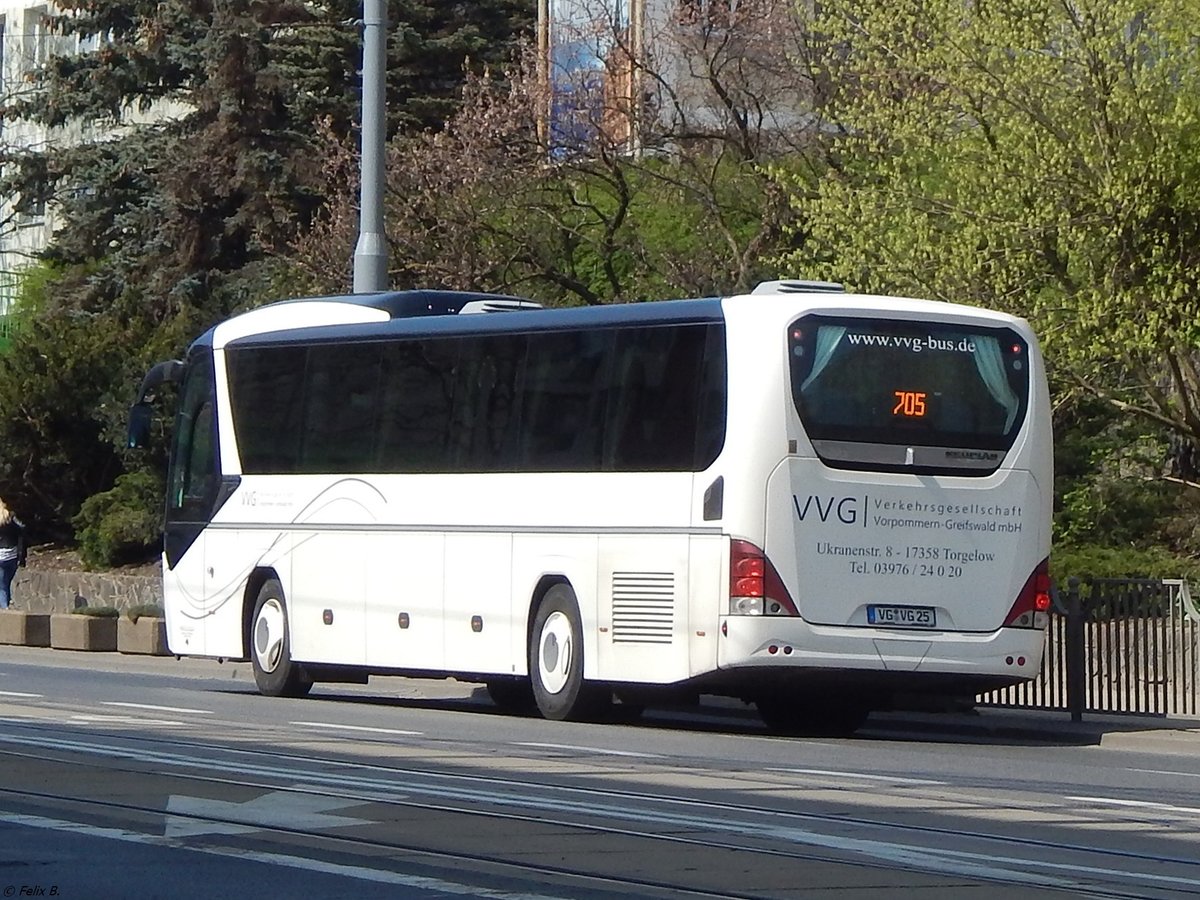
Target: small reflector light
[(1020, 660), (772, 649)]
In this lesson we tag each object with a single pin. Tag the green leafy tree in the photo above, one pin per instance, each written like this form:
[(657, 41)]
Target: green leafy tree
[(1036, 156), (182, 159), (610, 200)]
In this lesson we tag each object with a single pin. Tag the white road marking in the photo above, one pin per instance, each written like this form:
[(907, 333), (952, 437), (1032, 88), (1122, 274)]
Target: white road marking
[(334, 726), (601, 750), (1138, 804), (1165, 772), (20, 695), (861, 776), (427, 885), (122, 720), (174, 709), (277, 809)]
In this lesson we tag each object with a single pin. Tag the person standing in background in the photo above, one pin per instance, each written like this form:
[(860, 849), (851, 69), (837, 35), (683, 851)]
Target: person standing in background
[(12, 551)]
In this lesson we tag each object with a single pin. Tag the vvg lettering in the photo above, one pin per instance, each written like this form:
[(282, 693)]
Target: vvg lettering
[(844, 510)]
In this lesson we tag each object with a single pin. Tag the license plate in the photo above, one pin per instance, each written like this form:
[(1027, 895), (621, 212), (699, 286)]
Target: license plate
[(902, 616)]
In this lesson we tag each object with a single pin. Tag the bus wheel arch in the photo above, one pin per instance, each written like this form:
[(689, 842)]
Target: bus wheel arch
[(275, 673), (254, 584)]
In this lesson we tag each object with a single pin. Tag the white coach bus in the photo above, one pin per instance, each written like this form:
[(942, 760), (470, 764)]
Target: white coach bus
[(808, 499)]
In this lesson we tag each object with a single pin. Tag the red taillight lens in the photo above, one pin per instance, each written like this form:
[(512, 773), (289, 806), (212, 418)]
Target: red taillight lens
[(746, 567), (1034, 598), (752, 575)]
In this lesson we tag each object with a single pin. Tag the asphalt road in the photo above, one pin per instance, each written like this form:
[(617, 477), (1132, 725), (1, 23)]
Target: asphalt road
[(141, 777)]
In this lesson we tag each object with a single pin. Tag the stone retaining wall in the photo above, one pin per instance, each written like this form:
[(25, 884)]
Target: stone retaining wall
[(52, 591)]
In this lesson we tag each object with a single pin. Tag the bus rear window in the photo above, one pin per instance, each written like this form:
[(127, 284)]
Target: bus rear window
[(910, 395)]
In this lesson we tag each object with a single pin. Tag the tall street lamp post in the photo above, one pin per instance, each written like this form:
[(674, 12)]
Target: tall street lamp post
[(370, 253)]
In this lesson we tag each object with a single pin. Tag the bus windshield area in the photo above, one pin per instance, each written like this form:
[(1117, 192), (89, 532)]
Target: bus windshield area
[(893, 382)]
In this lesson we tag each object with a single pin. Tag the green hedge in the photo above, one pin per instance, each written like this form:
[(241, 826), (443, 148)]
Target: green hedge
[(122, 524), (1084, 560)]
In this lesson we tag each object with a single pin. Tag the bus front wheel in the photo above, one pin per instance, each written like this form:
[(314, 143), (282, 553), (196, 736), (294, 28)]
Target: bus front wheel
[(556, 659), (270, 647)]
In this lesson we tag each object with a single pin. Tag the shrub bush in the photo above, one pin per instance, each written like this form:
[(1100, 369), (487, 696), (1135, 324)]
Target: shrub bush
[(1084, 560), (149, 610), (100, 612), (123, 524)]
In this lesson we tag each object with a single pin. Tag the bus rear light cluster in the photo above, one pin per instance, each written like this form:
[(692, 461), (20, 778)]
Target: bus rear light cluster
[(1032, 606), (755, 588)]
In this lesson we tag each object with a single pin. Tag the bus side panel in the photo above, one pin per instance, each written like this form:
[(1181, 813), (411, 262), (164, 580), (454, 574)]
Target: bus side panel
[(330, 559), (328, 575), (478, 617), (184, 600), (231, 556), (708, 577), (565, 556), (644, 619), (404, 614)]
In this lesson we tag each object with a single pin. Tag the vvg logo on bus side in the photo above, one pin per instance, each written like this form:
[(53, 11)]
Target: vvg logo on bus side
[(845, 510)]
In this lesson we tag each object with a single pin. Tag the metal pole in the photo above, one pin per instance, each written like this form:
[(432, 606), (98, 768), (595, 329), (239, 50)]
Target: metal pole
[(1076, 654), (543, 72), (370, 254)]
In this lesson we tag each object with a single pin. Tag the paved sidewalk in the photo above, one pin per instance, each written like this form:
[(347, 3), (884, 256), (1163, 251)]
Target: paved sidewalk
[(1126, 732)]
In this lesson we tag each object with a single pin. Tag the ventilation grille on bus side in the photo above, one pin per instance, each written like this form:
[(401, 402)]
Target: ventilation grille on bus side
[(643, 607)]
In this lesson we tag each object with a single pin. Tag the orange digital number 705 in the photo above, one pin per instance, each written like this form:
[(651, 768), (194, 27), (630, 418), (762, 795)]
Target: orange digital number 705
[(909, 403)]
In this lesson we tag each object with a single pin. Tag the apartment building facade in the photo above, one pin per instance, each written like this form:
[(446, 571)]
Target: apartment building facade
[(642, 73)]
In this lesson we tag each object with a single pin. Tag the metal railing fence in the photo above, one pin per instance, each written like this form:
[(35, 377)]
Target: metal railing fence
[(1116, 645)]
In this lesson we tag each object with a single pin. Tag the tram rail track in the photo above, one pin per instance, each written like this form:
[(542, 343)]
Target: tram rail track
[(600, 812)]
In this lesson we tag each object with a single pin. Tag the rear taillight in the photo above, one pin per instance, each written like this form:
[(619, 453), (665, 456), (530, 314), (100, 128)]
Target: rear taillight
[(1032, 607), (755, 588)]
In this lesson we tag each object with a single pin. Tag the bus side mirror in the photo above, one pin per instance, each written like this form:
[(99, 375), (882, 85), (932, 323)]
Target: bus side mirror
[(140, 415)]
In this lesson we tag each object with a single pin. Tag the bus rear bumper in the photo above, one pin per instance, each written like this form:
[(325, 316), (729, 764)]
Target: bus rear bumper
[(758, 642)]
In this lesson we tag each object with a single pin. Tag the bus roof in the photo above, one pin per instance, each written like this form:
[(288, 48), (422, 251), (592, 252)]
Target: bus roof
[(435, 312)]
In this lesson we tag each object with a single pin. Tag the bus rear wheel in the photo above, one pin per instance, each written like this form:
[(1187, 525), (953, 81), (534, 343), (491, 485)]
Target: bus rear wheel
[(270, 647), (810, 717), (556, 659), (514, 695)]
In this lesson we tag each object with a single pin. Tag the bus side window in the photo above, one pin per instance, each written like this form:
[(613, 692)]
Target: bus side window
[(712, 411), (415, 404), (653, 416), (194, 468), (563, 400), (485, 406), (266, 395), (341, 403)]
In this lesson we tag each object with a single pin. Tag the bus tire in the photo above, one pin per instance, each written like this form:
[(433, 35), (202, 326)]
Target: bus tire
[(802, 717), (513, 695), (556, 659), (270, 646)]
